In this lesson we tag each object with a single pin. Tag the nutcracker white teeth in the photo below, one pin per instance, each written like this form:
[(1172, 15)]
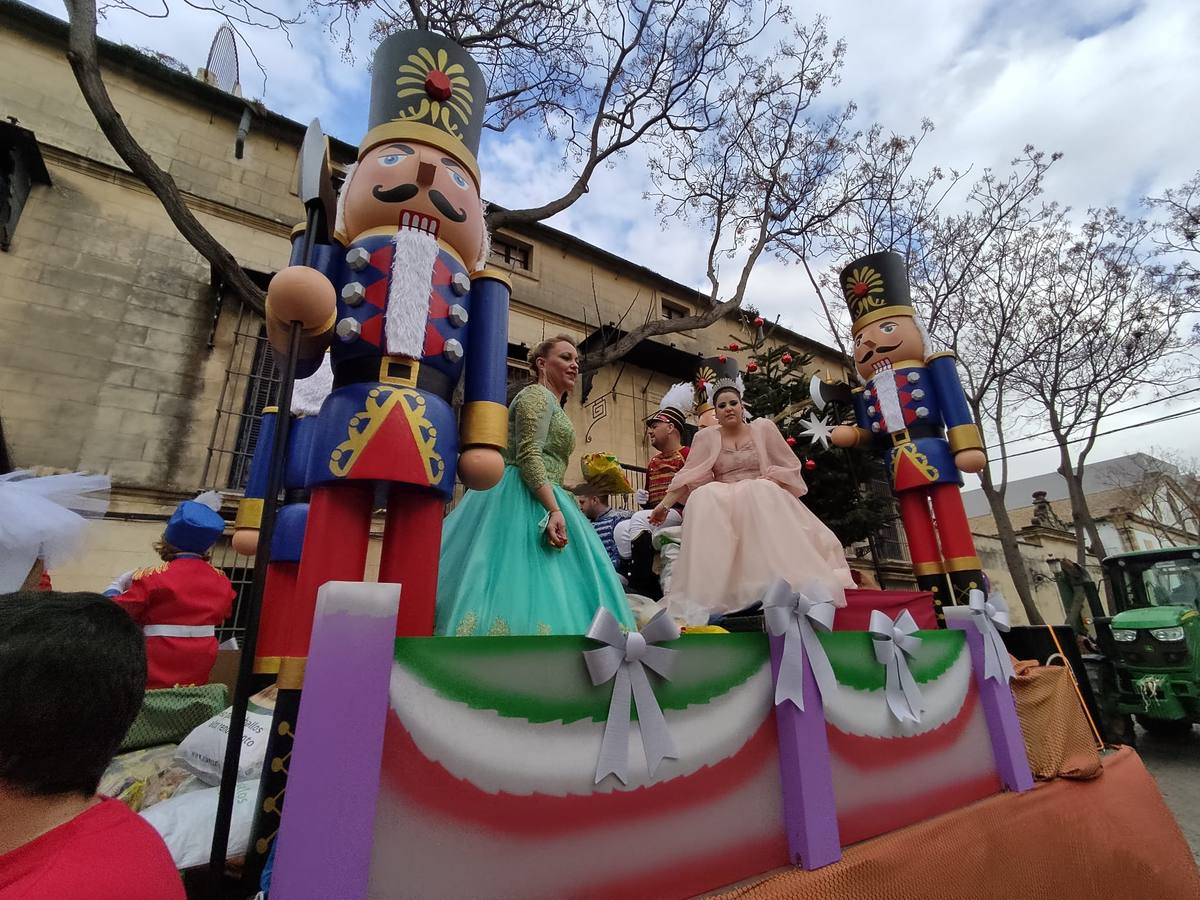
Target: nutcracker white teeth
[(418, 222)]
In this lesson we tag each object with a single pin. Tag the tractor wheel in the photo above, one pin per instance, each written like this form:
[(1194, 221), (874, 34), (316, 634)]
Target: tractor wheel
[(1174, 728)]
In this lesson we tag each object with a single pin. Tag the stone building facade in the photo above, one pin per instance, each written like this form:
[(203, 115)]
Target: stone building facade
[(120, 354)]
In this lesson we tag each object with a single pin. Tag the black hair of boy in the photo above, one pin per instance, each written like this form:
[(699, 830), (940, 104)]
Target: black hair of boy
[(72, 680)]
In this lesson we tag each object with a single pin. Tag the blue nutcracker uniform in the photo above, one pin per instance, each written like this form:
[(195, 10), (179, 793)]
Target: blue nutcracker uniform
[(389, 419), (278, 625), (917, 414)]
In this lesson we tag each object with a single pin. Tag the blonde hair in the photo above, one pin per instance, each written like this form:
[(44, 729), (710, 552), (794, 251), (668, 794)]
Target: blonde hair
[(542, 350)]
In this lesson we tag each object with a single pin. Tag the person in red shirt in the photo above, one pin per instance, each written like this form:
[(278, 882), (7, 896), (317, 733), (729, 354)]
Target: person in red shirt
[(72, 677), (180, 602)]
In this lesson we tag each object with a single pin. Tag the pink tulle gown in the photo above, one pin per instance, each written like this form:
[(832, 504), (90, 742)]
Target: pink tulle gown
[(744, 526)]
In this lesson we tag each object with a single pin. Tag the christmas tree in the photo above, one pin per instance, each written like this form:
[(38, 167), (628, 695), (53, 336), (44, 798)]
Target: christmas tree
[(838, 479)]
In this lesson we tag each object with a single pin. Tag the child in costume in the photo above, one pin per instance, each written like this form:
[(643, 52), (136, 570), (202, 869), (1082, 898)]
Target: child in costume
[(180, 602)]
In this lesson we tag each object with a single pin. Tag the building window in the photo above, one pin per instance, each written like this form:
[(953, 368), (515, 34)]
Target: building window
[(673, 310), (517, 376), (21, 167), (510, 252)]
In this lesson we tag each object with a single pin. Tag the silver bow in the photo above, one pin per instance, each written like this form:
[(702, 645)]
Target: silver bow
[(625, 657), (992, 618), (791, 615), (894, 643)]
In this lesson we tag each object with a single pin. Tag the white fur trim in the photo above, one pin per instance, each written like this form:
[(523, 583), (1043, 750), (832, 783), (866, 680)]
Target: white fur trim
[(339, 218), (408, 291), (309, 393), (888, 398)]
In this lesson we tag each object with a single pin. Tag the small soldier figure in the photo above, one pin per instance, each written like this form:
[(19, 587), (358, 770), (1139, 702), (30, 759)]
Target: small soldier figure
[(394, 305), (914, 406), (282, 635)]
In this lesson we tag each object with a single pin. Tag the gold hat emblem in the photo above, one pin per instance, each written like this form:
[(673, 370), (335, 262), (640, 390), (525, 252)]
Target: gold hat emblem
[(451, 100)]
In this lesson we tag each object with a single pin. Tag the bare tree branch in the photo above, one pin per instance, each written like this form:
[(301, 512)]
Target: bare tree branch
[(82, 55)]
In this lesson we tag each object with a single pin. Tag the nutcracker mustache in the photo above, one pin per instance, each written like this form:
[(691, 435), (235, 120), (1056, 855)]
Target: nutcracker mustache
[(402, 193), (866, 356)]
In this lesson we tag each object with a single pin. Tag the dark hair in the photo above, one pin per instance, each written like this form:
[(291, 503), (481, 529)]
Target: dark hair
[(721, 390), (72, 679)]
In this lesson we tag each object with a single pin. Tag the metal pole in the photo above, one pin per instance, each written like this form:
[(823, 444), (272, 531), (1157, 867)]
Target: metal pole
[(262, 557)]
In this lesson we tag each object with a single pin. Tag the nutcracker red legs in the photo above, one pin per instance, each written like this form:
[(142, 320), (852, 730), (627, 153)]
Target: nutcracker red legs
[(335, 549), (939, 540)]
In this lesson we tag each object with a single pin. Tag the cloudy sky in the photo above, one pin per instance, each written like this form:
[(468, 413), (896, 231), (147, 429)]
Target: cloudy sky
[(1109, 83)]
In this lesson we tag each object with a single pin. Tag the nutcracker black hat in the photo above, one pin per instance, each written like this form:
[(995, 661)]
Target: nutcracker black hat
[(876, 287), (426, 88), (717, 372)]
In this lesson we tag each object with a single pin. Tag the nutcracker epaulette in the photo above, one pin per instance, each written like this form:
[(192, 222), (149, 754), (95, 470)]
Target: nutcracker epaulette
[(150, 570)]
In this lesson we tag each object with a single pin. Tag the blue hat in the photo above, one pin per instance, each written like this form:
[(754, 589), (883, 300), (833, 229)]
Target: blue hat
[(194, 527)]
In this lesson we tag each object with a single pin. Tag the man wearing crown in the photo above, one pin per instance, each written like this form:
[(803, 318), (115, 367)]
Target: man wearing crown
[(913, 407), (404, 303)]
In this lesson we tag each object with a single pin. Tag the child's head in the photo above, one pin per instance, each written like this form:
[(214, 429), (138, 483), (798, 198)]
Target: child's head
[(72, 678), (193, 528)]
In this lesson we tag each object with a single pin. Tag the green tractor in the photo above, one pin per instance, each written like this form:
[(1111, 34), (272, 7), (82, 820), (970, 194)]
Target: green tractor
[(1153, 636)]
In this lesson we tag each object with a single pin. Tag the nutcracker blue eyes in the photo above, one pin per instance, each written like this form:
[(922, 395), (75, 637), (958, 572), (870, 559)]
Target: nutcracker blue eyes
[(392, 159), (887, 327), (458, 179)]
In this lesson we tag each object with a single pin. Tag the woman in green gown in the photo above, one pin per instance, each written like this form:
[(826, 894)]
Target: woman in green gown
[(521, 558)]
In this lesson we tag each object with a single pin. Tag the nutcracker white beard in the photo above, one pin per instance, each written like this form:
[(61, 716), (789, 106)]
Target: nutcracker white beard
[(409, 287), (887, 395)]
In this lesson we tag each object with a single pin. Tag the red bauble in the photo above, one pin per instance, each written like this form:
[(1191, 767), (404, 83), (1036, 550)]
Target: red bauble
[(758, 323), (786, 359), (734, 347), (751, 366), (722, 358), (791, 441), (810, 464)]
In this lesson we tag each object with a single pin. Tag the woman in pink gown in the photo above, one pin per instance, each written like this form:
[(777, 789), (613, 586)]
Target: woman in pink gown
[(744, 526)]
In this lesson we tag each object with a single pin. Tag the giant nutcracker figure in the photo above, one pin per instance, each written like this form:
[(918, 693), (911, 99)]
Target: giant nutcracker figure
[(404, 308), (913, 406)]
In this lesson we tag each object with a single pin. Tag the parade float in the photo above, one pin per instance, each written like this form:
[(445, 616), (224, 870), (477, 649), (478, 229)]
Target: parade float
[(854, 752)]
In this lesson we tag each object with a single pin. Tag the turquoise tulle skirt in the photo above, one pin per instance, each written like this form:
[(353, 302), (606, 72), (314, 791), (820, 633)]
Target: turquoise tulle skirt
[(499, 575)]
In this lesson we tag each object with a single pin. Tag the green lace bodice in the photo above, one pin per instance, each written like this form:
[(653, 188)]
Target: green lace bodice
[(540, 437)]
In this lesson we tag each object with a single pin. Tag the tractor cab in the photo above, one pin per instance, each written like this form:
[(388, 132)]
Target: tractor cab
[(1155, 635)]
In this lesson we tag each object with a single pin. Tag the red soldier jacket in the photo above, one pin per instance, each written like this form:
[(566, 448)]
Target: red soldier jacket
[(179, 604), (659, 472)]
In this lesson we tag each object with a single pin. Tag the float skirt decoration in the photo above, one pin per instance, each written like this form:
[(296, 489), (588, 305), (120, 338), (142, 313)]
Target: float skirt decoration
[(485, 784)]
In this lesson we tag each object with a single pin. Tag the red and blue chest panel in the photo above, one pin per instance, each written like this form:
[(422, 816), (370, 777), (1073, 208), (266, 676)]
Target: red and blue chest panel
[(446, 330)]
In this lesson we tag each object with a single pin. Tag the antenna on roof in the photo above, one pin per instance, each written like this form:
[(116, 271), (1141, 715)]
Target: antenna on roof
[(221, 69)]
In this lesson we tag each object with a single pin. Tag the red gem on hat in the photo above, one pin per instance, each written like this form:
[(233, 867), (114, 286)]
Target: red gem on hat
[(437, 85), (859, 288)]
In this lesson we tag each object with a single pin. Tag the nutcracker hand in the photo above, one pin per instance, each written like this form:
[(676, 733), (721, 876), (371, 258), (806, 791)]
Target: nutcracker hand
[(844, 436), (641, 496), (970, 460), (480, 468), (245, 541), (299, 294)]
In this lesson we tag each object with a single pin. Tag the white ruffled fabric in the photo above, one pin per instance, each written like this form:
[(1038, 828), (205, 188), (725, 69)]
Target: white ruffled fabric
[(45, 517)]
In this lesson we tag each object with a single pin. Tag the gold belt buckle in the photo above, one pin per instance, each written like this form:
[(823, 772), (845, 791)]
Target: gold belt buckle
[(900, 437), (398, 370)]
